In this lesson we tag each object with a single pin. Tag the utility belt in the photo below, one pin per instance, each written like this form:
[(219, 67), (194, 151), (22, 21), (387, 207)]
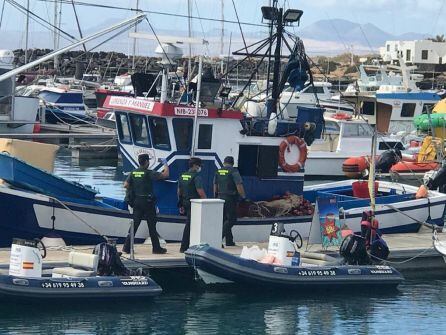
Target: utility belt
[(227, 195), (148, 198)]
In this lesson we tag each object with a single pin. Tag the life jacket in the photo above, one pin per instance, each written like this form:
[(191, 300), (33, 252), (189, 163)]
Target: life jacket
[(187, 186), (225, 181), (369, 227)]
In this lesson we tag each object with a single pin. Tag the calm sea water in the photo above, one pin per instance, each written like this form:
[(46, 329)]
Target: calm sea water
[(417, 307)]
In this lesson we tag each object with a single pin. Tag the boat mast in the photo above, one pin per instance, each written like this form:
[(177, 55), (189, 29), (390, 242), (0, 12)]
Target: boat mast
[(134, 40), (222, 35), (55, 35), (189, 25), (27, 31), (272, 103)]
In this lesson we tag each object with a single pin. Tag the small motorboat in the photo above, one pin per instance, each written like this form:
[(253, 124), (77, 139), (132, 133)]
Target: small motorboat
[(283, 266), (216, 266), (87, 277)]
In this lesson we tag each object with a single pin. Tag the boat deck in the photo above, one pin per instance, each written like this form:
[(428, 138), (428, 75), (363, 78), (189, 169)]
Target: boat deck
[(410, 253)]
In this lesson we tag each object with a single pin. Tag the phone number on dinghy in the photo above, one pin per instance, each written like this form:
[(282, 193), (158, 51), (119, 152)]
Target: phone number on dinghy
[(317, 273), (63, 285)]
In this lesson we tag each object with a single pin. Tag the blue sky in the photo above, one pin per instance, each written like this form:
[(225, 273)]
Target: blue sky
[(393, 16)]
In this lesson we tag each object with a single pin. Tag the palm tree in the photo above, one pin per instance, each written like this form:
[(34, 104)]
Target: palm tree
[(438, 38)]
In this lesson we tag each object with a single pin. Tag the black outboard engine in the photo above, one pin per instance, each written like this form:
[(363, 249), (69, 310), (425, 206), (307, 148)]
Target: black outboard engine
[(438, 181), (354, 251), (109, 262), (387, 159)]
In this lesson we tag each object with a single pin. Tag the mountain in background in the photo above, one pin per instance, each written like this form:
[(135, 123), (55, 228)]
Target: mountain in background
[(324, 37), (348, 33)]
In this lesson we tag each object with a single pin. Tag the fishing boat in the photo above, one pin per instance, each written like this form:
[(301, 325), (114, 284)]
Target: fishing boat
[(217, 267), (319, 93), (64, 105)]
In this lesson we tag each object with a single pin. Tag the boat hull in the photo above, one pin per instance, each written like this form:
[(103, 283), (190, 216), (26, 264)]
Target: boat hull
[(219, 267), (30, 215), (90, 288)]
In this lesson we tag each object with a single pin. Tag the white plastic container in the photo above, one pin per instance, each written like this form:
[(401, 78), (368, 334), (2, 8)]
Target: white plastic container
[(281, 248), (25, 259)]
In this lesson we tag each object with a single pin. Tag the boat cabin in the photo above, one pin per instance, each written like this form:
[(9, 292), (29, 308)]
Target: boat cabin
[(165, 130)]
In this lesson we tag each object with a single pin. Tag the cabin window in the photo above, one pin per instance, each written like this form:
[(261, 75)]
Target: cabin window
[(427, 108), (424, 54), (356, 130), (408, 55), (160, 133), (368, 108), (183, 130), (408, 110), (390, 145), (123, 128), (315, 89), (205, 136), (138, 124), (258, 160)]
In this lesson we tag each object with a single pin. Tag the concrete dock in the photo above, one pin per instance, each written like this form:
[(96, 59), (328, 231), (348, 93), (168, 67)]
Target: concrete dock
[(412, 254)]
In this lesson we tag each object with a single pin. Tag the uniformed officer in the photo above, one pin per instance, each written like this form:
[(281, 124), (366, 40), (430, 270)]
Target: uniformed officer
[(190, 186), (139, 189), (228, 186)]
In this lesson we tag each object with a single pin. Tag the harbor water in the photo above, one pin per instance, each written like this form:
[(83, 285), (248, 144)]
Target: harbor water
[(416, 307)]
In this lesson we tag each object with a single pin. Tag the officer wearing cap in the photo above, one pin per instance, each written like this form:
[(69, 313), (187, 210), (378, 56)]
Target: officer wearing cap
[(228, 185), (140, 196), (190, 186)]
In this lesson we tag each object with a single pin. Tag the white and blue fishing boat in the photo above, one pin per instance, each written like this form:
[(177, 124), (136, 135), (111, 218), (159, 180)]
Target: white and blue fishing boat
[(64, 105), (270, 153)]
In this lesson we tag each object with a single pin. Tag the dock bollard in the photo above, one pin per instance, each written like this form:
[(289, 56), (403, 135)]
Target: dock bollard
[(206, 224)]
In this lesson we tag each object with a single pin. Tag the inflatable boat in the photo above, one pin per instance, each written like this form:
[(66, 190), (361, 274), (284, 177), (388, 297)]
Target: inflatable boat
[(215, 266), (97, 287), (88, 277)]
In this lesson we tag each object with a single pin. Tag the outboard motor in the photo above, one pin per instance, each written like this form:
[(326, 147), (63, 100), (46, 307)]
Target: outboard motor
[(387, 159), (109, 261), (284, 247), (26, 258), (354, 251)]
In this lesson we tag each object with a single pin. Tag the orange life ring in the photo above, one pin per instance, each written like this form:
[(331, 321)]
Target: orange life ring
[(342, 116), (284, 146)]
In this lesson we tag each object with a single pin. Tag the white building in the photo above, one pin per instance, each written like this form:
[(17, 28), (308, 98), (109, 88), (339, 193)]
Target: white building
[(415, 52)]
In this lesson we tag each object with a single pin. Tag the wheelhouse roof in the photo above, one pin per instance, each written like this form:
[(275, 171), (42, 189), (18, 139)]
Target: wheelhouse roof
[(166, 109)]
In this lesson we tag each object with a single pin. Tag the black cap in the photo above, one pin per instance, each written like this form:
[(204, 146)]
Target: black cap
[(229, 160), (143, 158)]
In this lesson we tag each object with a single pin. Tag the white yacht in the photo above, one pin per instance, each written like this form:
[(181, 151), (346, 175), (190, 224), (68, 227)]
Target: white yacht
[(317, 94), (343, 138)]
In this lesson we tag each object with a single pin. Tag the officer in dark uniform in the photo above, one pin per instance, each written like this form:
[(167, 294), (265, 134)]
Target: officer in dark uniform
[(228, 186), (140, 196), (190, 186)]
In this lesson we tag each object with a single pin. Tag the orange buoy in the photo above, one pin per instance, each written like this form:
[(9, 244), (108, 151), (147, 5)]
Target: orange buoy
[(354, 167), (408, 167), (285, 146)]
